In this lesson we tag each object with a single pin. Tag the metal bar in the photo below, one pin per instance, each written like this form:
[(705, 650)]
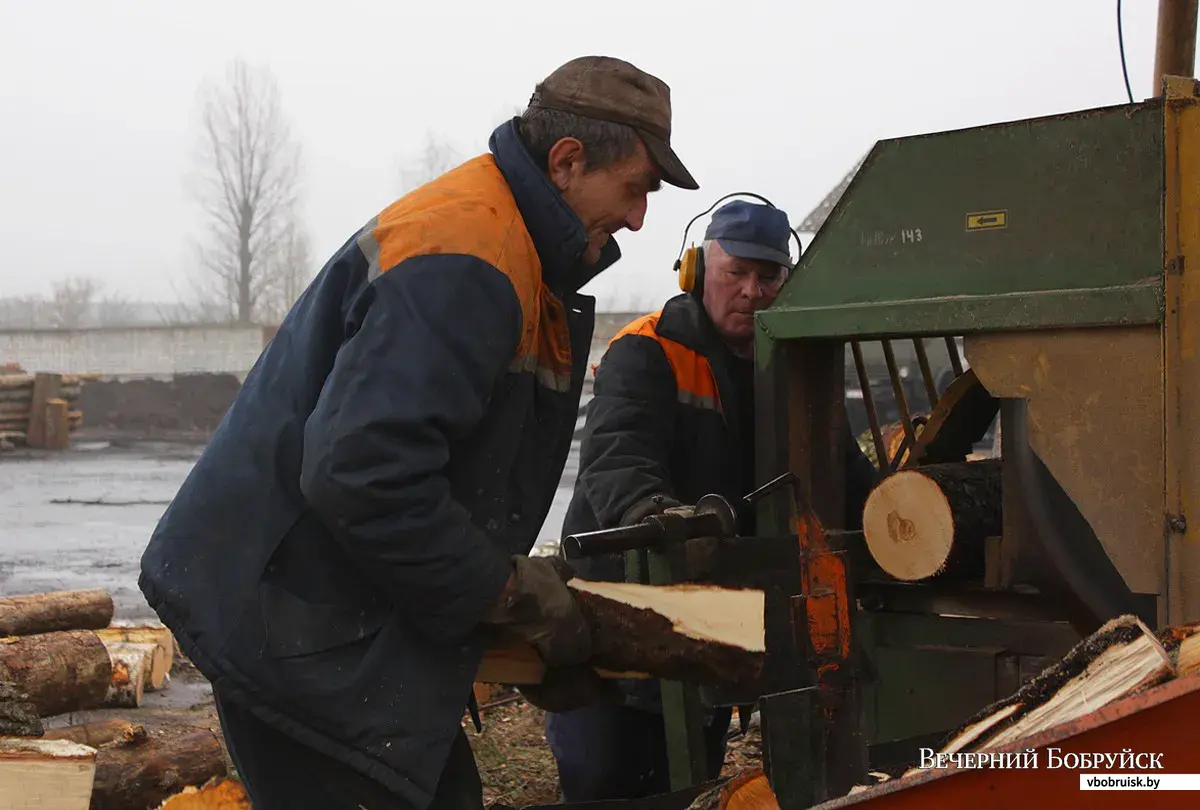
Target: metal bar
[(1175, 44), (955, 360), (926, 371), (682, 714), (901, 401), (864, 383)]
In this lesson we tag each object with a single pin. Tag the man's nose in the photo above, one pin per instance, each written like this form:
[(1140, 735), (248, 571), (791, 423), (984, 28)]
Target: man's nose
[(637, 217)]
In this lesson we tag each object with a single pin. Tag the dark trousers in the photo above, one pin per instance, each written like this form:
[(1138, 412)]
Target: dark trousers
[(616, 752), (282, 774)]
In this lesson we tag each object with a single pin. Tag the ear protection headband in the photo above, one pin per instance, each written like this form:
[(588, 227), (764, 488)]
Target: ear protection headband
[(689, 264)]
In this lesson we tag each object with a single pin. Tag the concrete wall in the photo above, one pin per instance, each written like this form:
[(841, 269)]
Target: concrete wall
[(136, 352), (159, 351)]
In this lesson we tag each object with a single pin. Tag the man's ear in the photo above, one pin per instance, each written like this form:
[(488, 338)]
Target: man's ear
[(565, 162)]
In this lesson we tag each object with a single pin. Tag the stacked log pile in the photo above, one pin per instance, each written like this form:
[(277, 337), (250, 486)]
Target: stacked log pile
[(63, 652), (39, 410)]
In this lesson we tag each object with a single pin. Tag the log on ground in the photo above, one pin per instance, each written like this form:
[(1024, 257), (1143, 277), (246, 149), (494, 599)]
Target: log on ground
[(58, 610), (98, 733), (129, 665), (701, 634), (145, 774), (18, 716), (158, 635), (64, 671), (47, 774), (931, 520)]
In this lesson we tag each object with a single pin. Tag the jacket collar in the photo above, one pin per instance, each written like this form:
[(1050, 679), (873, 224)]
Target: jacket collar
[(685, 321), (557, 233)]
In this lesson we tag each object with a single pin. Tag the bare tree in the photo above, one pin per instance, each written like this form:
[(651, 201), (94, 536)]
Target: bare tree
[(71, 302), (436, 157), (247, 186), (291, 271)]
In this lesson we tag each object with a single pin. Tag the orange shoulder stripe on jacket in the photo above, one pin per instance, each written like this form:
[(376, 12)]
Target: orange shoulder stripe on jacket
[(470, 210), (694, 379)]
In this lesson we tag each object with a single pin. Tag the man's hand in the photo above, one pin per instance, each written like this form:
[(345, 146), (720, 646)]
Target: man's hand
[(538, 608), (564, 689)]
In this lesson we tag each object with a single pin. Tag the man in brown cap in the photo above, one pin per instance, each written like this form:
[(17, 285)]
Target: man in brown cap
[(359, 525)]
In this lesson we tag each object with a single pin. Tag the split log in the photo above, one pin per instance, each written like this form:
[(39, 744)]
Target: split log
[(142, 633), (218, 794), (47, 774), (1118, 660), (101, 732), (934, 519), (701, 634), (64, 671), (145, 774), (128, 682), (58, 610), (1189, 657), (18, 715)]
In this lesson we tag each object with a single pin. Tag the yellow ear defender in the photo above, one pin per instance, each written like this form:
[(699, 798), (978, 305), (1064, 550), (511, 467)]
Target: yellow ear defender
[(689, 265)]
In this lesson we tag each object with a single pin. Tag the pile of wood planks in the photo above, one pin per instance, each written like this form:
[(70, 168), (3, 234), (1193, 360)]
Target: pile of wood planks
[(39, 410), (63, 652)]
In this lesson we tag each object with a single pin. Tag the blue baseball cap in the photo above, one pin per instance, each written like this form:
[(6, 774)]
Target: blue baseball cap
[(752, 231)]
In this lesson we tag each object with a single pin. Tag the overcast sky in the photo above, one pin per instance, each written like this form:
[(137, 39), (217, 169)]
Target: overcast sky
[(99, 105)]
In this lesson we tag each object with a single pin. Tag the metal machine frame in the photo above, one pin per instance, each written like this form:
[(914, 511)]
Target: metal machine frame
[(1002, 256)]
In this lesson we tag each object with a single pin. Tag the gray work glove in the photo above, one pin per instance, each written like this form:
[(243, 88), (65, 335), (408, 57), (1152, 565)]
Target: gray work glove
[(565, 689), (539, 609)]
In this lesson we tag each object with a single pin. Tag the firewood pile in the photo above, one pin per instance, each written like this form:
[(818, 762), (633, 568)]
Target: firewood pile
[(39, 410), (1118, 661), (61, 653)]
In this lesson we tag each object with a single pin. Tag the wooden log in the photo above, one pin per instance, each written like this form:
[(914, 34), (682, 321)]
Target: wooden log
[(98, 733), (144, 633), (217, 794), (128, 682), (45, 388), (46, 774), (702, 634), (1119, 659), (63, 671), (18, 715), (58, 610), (932, 520), (56, 428), (145, 774)]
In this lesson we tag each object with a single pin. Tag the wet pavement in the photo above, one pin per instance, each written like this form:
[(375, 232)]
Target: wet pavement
[(81, 519)]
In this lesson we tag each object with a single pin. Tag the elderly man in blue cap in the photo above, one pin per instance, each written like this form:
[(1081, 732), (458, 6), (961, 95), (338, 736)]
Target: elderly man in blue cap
[(671, 420)]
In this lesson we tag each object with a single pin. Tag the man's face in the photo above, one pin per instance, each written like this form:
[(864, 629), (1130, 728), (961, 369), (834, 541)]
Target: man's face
[(734, 289), (607, 199)]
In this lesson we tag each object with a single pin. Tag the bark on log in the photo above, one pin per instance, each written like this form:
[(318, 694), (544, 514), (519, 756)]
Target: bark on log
[(18, 715), (701, 634), (101, 732), (933, 520), (49, 774), (58, 610), (64, 671), (146, 774), (218, 794)]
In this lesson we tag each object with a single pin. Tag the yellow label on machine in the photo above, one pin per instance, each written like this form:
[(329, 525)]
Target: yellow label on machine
[(987, 220)]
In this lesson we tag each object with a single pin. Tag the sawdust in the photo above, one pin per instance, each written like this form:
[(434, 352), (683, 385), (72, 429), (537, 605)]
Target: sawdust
[(151, 408)]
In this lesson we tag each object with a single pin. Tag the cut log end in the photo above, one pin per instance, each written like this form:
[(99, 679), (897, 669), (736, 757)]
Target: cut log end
[(46, 773), (218, 794), (909, 526), (927, 521)]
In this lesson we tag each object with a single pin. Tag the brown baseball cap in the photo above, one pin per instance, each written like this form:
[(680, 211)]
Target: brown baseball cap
[(610, 89)]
